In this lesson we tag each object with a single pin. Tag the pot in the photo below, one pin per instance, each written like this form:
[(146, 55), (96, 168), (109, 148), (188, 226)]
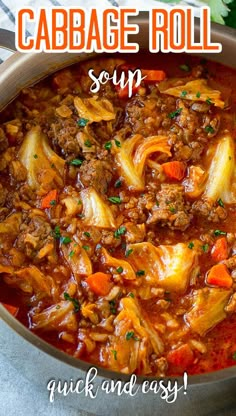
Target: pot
[(42, 362)]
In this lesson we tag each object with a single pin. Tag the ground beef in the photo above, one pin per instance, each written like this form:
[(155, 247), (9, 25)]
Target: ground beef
[(63, 134), (205, 209), (96, 173), (170, 208), (3, 195), (34, 235), (146, 116)]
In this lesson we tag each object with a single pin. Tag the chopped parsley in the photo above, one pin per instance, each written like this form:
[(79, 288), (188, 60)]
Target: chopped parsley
[(209, 129), (128, 252), (87, 234), (108, 145), (88, 143), (112, 304), (56, 232), (119, 269), (114, 199), (53, 202), (219, 232), (220, 203), (118, 183), (114, 352), (198, 95), (74, 301), (172, 209), (191, 245), (175, 113), (82, 122), (140, 273), (120, 231), (35, 156), (65, 240), (184, 93), (234, 356), (185, 67), (86, 248), (71, 253), (58, 307), (130, 335), (131, 295), (79, 202), (157, 203), (208, 101), (205, 248), (118, 143), (76, 162)]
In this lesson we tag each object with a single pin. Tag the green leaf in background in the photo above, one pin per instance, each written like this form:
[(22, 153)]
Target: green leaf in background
[(222, 11)]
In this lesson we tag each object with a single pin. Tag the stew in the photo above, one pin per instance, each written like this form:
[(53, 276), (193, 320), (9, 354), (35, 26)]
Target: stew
[(117, 214)]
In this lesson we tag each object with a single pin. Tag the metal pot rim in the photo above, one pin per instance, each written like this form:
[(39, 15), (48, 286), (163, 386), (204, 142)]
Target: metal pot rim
[(8, 71)]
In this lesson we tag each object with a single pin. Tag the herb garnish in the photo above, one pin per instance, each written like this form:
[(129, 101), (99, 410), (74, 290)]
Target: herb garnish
[(131, 295), (185, 67), (208, 101), (184, 93), (88, 143), (118, 183), (108, 145), (140, 273), (219, 232), (74, 301), (119, 269), (56, 232), (86, 248), (118, 143), (175, 113), (209, 129), (114, 199), (112, 304), (205, 248), (120, 231), (53, 202), (220, 203), (65, 240), (234, 356), (191, 245), (82, 122), (114, 352), (71, 253), (130, 335), (198, 95), (128, 252), (35, 156), (76, 162), (87, 234)]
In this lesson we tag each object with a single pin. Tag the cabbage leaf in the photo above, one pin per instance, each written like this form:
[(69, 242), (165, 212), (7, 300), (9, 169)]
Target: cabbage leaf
[(168, 266), (132, 155), (44, 167), (95, 210), (109, 261), (94, 110), (197, 90)]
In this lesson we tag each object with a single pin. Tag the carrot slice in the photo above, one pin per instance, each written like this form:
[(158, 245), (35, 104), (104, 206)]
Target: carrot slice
[(219, 251), (124, 92), (12, 309), (153, 75), (218, 275), (48, 200), (175, 169), (181, 357), (100, 283)]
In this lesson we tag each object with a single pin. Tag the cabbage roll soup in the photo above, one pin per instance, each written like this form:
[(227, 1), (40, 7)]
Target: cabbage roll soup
[(117, 214)]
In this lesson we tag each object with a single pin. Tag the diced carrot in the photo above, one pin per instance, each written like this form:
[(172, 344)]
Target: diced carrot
[(100, 283), (181, 357), (153, 75), (218, 275), (124, 92), (12, 309), (175, 170), (47, 201), (219, 251)]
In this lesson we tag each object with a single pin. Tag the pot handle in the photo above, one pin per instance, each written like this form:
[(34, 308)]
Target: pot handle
[(7, 40)]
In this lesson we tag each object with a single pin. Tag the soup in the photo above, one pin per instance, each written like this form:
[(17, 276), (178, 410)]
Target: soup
[(117, 214)]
